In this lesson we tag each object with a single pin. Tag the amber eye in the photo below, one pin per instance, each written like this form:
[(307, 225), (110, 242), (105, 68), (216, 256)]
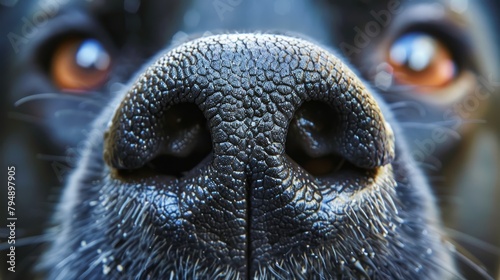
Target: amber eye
[(80, 64), (420, 60)]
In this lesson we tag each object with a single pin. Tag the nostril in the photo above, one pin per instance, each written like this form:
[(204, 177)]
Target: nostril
[(312, 128), (184, 142), (311, 139)]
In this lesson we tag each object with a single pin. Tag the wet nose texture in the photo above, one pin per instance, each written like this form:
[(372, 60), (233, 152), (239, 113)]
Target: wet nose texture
[(251, 130)]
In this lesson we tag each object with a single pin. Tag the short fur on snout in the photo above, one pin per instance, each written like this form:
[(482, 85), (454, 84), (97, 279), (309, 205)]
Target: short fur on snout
[(247, 209)]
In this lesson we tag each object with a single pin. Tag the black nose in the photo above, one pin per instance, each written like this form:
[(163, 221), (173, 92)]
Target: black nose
[(248, 131)]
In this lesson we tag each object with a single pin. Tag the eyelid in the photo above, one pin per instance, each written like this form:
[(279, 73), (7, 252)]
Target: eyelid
[(440, 23), (61, 26)]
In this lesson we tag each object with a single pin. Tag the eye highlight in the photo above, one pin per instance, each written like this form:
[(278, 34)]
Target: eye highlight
[(80, 64), (420, 60)]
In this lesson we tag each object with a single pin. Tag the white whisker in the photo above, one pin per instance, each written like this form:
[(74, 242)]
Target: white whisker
[(29, 240), (430, 126), (473, 265), (428, 166), (26, 118), (57, 96), (409, 105), (478, 243)]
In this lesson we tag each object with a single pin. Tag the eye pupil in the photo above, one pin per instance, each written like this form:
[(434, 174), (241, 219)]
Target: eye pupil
[(80, 64), (420, 60), (91, 54), (415, 51)]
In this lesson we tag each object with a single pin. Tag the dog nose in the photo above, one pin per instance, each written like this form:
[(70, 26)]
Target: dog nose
[(249, 129), (246, 92)]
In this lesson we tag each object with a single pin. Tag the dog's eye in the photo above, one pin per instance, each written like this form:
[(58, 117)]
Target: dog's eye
[(80, 64), (422, 61)]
